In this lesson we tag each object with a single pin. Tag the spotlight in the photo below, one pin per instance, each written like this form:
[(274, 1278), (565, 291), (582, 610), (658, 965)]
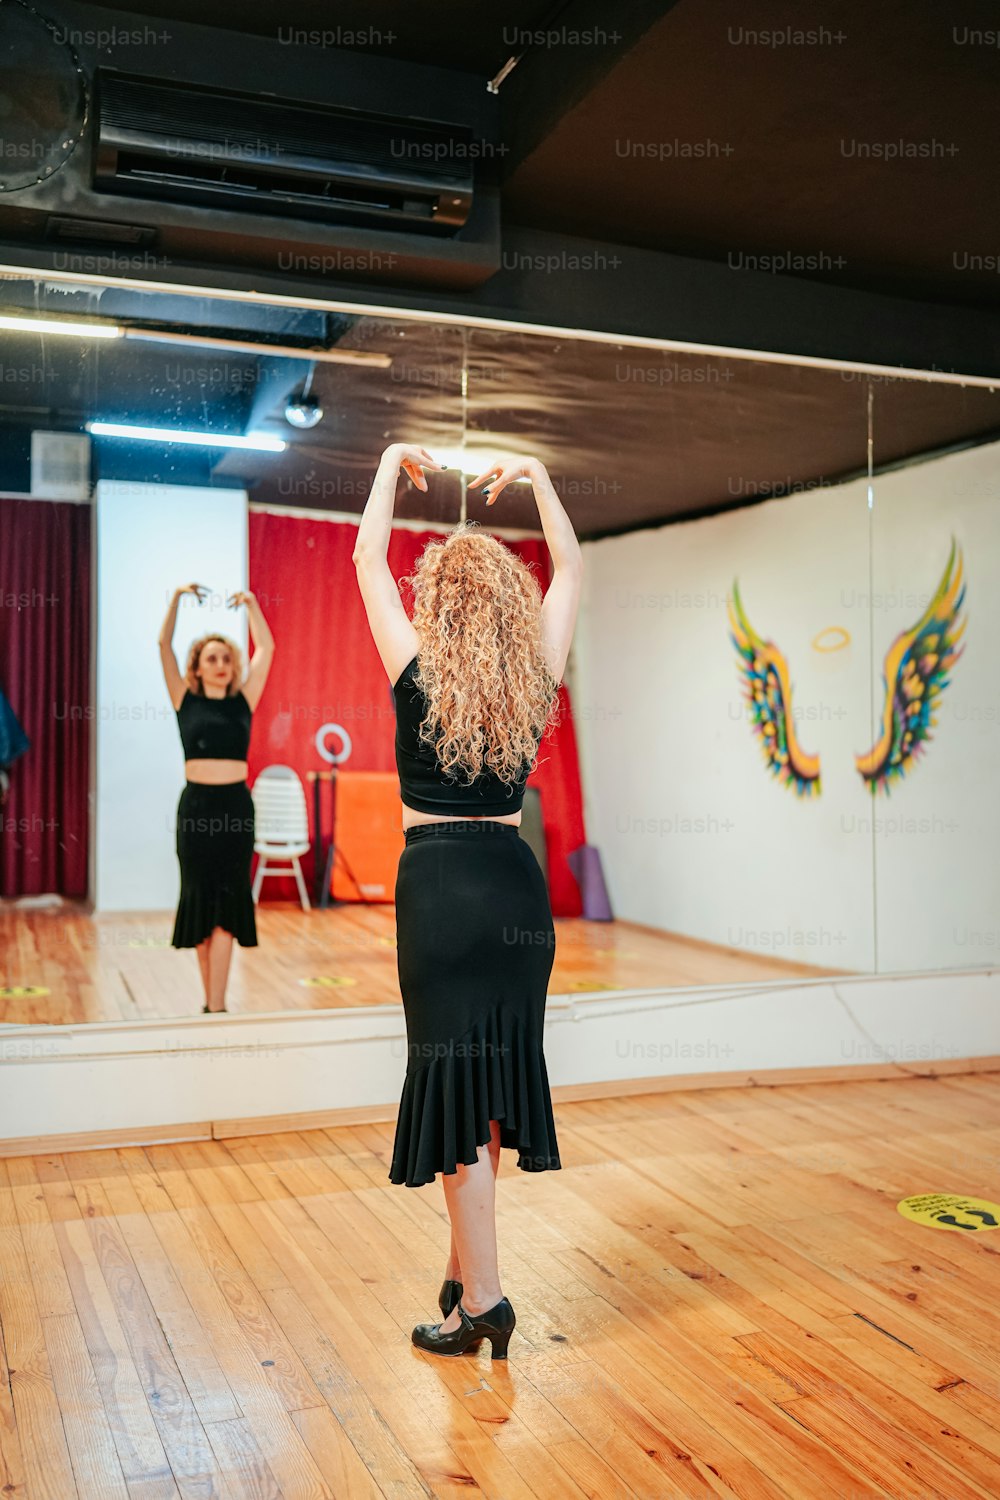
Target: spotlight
[(303, 412)]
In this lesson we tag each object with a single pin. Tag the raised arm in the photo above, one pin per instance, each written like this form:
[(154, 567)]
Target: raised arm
[(394, 636), (557, 528), (375, 527), (176, 686), (263, 647), (562, 598)]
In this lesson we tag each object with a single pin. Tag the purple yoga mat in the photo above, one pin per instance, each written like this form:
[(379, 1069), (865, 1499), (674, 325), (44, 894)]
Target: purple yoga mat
[(585, 864)]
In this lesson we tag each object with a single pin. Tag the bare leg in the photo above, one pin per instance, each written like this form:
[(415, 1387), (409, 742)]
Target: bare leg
[(219, 954), (453, 1269), (202, 952), (470, 1193)]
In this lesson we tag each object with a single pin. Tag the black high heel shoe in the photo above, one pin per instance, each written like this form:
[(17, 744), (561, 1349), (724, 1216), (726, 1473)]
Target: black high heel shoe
[(496, 1324), (450, 1293), (206, 1012)]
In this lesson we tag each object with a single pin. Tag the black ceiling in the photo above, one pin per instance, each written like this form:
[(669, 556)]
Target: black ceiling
[(723, 131), (798, 143)]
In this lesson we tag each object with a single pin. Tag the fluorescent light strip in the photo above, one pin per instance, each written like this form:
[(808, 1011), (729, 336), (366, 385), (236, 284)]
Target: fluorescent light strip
[(75, 329), (62, 325), (257, 441)]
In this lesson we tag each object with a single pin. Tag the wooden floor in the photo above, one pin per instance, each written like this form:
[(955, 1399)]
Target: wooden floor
[(115, 967), (716, 1296)]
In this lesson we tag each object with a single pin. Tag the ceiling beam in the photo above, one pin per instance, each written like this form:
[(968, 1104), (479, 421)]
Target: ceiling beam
[(565, 283)]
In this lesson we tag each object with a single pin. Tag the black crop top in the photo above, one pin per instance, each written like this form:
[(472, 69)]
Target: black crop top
[(423, 785), (214, 728)]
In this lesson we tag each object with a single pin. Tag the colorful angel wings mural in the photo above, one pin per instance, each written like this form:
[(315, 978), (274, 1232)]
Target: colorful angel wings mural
[(914, 676), (767, 690)]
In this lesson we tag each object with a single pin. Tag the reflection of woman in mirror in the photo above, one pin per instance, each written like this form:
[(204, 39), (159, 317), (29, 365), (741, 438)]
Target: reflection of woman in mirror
[(475, 678), (215, 815)]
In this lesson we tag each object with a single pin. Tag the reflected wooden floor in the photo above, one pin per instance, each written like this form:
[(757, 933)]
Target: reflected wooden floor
[(115, 967), (716, 1296)]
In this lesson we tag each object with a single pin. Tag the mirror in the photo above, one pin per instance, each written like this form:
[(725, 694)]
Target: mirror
[(698, 808), (933, 755), (717, 686), (93, 546)]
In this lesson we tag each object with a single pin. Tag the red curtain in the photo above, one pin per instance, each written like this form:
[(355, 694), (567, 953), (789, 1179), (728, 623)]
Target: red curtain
[(327, 670), (45, 674)]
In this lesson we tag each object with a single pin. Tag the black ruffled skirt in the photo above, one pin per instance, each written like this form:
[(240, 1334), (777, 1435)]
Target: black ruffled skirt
[(215, 838), (475, 944)]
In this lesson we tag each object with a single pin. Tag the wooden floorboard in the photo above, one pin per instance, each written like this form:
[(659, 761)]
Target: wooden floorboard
[(115, 967), (716, 1296)]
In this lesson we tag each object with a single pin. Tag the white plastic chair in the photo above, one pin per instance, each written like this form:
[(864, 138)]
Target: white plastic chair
[(281, 828)]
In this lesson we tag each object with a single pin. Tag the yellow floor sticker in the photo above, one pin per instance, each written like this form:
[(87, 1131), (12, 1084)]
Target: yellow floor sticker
[(22, 991), (951, 1211)]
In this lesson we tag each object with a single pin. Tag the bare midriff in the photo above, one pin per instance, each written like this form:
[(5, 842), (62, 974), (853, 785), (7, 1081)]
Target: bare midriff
[(216, 772), (411, 817)]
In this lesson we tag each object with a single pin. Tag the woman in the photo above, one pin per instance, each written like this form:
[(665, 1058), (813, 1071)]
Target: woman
[(475, 677), (215, 818)]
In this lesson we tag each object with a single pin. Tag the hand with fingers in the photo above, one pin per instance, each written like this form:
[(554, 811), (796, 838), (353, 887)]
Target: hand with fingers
[(507, 470), (240, 597), (199, 590), (413, 460)]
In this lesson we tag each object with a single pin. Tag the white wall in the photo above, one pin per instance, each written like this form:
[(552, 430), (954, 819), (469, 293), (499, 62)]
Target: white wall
[(123, 1076), (149, 539), (695, 835), (936, 837)]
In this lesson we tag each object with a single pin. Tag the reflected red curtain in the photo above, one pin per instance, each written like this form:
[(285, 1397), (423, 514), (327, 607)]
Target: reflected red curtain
[(45, 674), (327, 671)]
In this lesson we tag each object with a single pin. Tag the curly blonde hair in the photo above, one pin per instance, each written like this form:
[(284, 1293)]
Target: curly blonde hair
[(481, 665), (191, 677)]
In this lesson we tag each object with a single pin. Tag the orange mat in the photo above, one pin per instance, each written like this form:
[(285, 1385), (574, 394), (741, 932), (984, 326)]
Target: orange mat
[(368, 835)]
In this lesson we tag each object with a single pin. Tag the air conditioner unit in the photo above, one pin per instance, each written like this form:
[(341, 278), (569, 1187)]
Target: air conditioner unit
[(353, 168), (276, 156)]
